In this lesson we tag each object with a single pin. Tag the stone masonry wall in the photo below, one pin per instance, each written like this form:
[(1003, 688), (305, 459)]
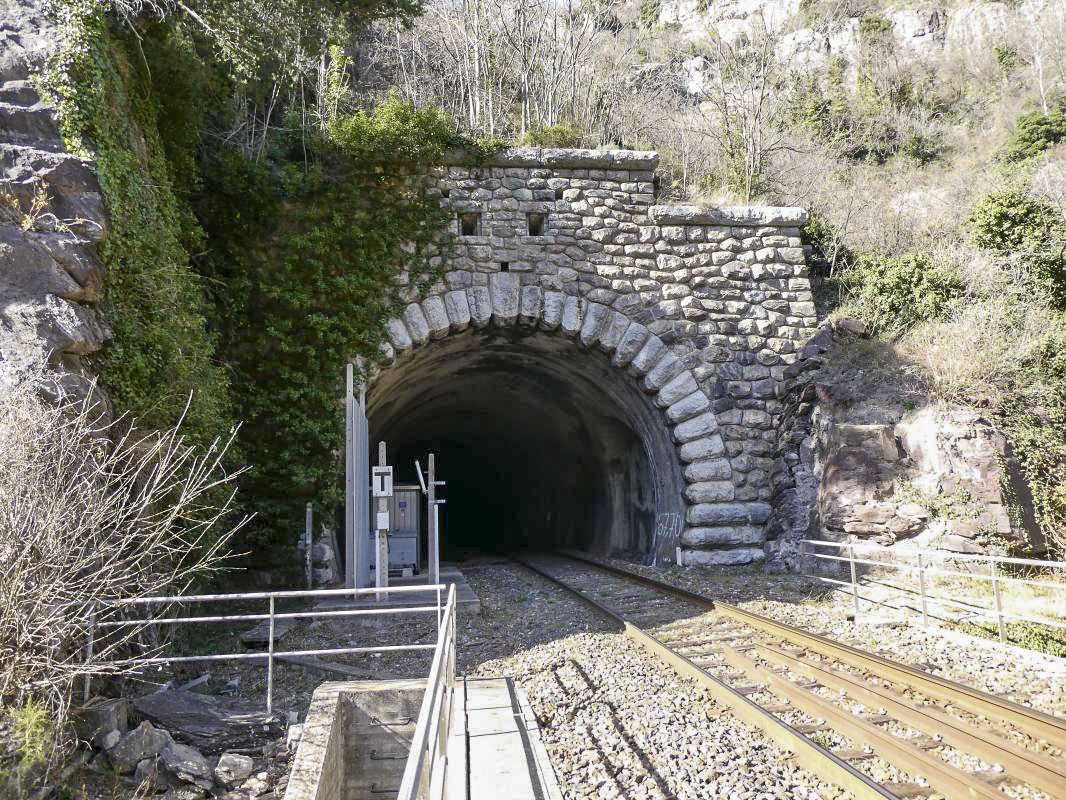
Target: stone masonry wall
[(706, 307)]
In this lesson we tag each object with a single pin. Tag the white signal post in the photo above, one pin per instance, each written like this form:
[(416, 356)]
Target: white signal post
[(382, 483)]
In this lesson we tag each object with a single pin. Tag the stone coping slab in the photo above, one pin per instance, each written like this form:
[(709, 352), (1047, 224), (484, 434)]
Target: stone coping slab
[(563, 158), (792, 216)]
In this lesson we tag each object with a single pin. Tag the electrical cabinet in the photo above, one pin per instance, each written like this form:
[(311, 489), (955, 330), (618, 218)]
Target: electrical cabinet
[(405, 529)]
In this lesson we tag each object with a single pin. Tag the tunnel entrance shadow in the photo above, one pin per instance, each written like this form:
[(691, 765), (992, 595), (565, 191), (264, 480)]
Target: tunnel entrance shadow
[(544, 444)]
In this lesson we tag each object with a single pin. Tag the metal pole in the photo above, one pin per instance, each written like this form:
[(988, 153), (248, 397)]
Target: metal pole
[(86, 691), (309, 534), (854, 581), (921, 585), (438, 608), (431, 519), (381, 575), (270, 660), (349, 477), (999, 602)]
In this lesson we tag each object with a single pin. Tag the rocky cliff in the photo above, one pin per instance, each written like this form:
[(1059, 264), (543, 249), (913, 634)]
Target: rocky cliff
[(52, 218)]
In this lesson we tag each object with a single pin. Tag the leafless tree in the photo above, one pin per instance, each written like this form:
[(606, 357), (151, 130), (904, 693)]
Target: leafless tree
[(92, 514)]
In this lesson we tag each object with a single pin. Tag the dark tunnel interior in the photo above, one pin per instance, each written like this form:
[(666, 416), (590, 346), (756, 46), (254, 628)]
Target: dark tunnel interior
[(543, 444)]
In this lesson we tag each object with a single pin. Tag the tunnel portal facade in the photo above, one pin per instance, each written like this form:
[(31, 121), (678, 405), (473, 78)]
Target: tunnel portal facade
[(598, 371)]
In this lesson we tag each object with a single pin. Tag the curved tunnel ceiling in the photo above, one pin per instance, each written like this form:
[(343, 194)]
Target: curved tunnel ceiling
[(543, 444)]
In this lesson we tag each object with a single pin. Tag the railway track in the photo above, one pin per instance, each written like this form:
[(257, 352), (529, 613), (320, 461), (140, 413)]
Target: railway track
[(846, 715)]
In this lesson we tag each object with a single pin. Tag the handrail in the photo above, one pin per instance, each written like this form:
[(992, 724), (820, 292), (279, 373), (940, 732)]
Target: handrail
[(922, 568), (270, 617), (423, 775)]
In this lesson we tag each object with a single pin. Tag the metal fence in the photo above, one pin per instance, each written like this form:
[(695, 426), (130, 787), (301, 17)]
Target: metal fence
[(426, 771), (927, 563), (271, 617)]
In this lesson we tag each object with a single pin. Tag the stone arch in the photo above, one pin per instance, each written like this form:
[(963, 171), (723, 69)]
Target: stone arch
[(709, 519)]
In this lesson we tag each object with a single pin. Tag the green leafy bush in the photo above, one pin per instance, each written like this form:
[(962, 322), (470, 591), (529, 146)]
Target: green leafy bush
[(304, 278), (893, 293), (1034, 133), (1021, 228), (562, 134)]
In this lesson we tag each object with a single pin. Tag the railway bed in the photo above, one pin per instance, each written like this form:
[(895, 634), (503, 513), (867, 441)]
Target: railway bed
[(873, 726)]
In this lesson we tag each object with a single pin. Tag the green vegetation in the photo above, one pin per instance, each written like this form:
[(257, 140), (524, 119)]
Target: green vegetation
[(1034, 134), (894, 293), (562, 134), (305, 280), (162, 354), (1042, 638)]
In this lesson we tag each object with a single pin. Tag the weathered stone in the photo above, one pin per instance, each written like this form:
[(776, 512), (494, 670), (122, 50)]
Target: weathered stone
[(709, 491), (554, 302), (458, 309), (595, 318), (504, 289), (185, 762), (613, 331), (209, 723), (688, 407), (144, 741), (630, 344), (667, 368), (573, 315), (233, 769), (398, 335), (715, 514), (722, 536), (531, 306), (708, 469), (722, 558), (704, 447), (436, 317), (648, 357), (695, 428), (416, 324), (480, 303), (677, 388)]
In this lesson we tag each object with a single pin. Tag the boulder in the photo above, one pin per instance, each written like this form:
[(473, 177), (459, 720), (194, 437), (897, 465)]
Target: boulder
[(186, 762), (233, 769), (211, 724), (144, 741)]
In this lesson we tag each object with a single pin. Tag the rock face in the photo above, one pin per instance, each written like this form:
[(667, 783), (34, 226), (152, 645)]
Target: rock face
[(933, 476), (704, 309), (210, 724), (143, 742), (49, 271)]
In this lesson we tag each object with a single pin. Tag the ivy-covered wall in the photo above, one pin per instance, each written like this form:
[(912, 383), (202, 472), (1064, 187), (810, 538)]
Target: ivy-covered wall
[(240, 283)]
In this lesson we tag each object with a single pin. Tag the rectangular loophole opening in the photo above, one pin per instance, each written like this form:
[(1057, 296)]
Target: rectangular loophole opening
[(469, 223), (505, 266), (535, 223)]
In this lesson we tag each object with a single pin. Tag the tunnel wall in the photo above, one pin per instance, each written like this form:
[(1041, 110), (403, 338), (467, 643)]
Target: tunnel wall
[(704, 307)]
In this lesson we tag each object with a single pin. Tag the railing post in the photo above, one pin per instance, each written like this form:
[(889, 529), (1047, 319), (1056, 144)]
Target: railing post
[(270, 659), (87, 689), (854, 581), (439, 613), (309, 540), (921, 586), (999, 602)]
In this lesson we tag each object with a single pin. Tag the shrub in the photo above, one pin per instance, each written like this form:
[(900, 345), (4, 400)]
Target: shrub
[(1022, 229), (89, 514), (562, 134), (1033, 134), (894, 293)]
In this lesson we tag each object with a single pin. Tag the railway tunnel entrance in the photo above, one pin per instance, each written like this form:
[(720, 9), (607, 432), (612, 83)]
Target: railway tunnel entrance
[(543, 443)]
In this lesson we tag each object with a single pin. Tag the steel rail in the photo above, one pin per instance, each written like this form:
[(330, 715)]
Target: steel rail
[(808, 753), (1035, 723)]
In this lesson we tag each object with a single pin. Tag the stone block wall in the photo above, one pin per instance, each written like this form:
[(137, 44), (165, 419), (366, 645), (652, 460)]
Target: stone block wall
[(706, 307)]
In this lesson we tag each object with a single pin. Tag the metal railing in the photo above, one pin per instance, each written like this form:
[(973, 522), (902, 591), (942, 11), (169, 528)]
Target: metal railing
[(925, 564), (427, 762), (271, 616)]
